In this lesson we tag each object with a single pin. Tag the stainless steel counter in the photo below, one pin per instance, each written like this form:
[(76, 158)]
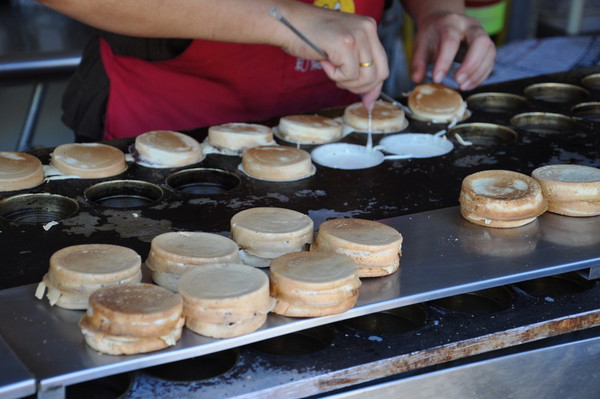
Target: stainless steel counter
[(15, 380), (442, 256)]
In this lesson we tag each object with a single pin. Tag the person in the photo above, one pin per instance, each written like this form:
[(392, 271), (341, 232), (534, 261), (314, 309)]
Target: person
[(186, 64)]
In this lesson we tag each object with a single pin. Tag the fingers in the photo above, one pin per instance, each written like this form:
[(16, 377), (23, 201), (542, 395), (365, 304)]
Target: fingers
[(371, 96), (438, 41), (477, 65), (357, 61), (449, 44)]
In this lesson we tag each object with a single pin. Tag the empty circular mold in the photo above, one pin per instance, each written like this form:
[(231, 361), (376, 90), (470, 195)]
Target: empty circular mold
[(591, 81), (297, 343), (197, 368), (37, 208), (484, 134), (489, 300), (556, 92), (588, 111), (203, 181), (543, 122), (496, 102), (114, 386), (394, 321), (123, 193), (560, 284)]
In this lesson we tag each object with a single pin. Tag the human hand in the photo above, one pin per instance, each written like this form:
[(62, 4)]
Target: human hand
[(356, 58), (438, 40)]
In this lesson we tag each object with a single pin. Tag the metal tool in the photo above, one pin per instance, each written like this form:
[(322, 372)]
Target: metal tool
[(389, 98), (275, 13)]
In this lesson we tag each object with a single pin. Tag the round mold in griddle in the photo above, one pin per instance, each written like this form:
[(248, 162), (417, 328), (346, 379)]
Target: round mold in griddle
[(298, 343), (347, 156), (543, 123), (490, 300), (587, 111), (111, 387), (196, 369), (203, 181), (591, 81), (37, 208), (496, 102), (484, 134), (393, 321), (556, 92), (123, 194), (560, 284), (415, 145)]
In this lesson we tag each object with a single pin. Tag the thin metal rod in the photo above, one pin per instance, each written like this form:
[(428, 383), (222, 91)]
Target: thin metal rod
[(31, 119), (275, 13)]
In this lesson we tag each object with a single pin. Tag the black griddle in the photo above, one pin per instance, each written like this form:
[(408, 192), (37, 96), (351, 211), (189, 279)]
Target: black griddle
[(391, 189)]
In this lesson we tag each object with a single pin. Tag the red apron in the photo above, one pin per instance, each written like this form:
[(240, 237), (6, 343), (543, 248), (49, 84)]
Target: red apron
[(215, 82)]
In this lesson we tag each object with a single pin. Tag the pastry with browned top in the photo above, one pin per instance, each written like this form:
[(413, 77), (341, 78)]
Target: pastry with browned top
[(166, 149), (501, 198), (309, 129), (77, 271), (264, 233), (313, 284), (277, 163), (88, 160), (225, 300), (433, 102), (19, 170), (174, 253), (127, 319), (571, 190), (374, 246), (385, 117), (234, 138)]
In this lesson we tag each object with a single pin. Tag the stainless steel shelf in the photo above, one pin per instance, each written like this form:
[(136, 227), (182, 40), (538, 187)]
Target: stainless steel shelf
[(15, 380), (442, 256)]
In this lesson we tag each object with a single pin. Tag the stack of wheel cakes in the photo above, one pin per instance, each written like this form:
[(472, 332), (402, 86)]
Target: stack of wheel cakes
[(326, 280), (264, 233), (174, 253), (225, 300), (501, 198), (571, 190), (132, 318), (202, 284), (507, 199), (311, 284), (375, 247), (77, 271)]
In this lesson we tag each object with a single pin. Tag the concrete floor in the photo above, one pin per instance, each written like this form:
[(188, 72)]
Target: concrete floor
[(14, 103)]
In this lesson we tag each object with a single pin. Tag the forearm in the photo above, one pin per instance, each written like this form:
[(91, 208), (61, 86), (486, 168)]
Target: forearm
[(420, 10), (224, 20), (348, 39)]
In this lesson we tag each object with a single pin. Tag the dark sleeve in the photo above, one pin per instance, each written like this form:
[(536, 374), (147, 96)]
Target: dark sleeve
[(145, 48), (84, 99)]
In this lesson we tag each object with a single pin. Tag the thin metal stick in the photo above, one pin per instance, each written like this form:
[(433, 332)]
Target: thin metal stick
[(389, 98), (275, 13)]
